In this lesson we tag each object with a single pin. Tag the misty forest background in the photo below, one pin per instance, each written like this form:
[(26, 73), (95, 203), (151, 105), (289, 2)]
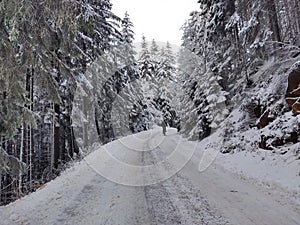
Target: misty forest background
[(237, 55)]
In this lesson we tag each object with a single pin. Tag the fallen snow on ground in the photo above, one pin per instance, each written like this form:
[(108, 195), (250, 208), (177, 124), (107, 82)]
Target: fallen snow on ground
[(265, 167), (224, 193)]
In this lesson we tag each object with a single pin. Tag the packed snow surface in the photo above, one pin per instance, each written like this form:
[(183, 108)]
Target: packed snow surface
[(234, 189)]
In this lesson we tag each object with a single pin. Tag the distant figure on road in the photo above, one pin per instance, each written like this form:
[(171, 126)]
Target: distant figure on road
[(164, 127)]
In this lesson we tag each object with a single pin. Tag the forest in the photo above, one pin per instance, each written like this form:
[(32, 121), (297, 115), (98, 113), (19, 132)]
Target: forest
[(69, 68)]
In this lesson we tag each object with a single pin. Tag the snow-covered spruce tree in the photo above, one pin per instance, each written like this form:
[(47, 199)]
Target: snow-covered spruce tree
[(157, 68), (240, 34), (234, 39), (150, 90), (129, 110), (165, 100), (192, 101), (203, 105), (166, 65), (29, 50), (109, 77), (212, 34), (155, 57), (148, 65), (201, 79), (165, 79), (154, 51), (144, 61), (127, 48), (222, 39), (46, 49), (254, 35)]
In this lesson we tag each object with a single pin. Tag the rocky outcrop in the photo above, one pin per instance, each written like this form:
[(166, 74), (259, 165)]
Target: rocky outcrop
[(264, 120), (293, 91), (270, 142)]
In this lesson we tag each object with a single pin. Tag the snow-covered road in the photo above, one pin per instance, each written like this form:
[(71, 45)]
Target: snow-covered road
[(82, 196)]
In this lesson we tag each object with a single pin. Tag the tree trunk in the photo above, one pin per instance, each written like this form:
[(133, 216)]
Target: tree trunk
[(1, 141), (57, 130), (296, 14), (56, 136), (85, 122), (20, 158), (272, 12), (31, 132), (96, 121)]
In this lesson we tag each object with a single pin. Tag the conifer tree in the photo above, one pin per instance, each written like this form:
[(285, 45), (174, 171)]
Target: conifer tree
[(144, 61)]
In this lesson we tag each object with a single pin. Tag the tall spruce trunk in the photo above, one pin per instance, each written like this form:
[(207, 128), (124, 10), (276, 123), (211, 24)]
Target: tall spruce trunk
[(21, 157), (57, 130), (273, 18), (296, 15)]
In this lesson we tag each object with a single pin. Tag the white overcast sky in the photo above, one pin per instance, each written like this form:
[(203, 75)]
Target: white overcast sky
[(158, 19)]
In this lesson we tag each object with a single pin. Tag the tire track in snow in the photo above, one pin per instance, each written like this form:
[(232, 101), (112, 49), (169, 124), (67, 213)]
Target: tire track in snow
[(176, 201)]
